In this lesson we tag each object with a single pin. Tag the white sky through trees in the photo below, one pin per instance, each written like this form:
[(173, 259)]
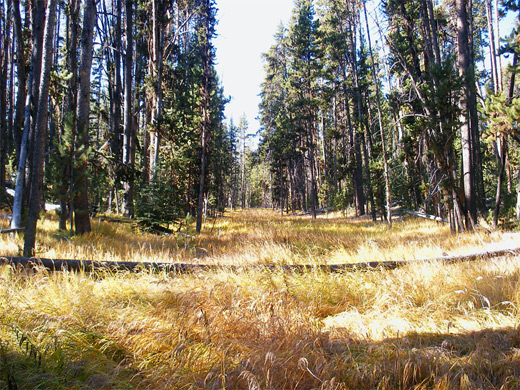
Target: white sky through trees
[(245, 30)]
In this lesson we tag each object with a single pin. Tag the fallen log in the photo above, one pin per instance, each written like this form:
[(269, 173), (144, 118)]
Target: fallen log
[(427, 216), (117, 220), (11, 230), (93, 265)]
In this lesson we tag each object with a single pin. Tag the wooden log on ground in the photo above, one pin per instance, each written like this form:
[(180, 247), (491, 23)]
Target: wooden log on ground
[(427, 216), (117, 220), (11, 230), (92, 265)]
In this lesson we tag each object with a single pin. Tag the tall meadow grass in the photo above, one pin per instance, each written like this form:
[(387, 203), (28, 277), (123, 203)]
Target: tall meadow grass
[(423, 326)]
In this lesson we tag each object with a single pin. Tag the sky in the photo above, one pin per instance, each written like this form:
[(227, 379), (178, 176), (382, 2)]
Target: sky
[(245, 31)]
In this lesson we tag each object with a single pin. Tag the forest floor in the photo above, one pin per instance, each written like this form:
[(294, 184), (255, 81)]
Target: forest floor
[(423, 326)]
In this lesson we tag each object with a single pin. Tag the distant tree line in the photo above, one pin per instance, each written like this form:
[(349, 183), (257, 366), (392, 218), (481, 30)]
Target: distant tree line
[(408, 105)]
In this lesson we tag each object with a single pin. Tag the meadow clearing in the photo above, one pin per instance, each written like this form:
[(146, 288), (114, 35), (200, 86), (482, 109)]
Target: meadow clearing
[(422, 326)]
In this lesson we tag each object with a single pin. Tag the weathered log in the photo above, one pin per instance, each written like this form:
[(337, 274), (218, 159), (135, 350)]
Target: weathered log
[(92, 265), (11, 230), (117, 220), (427, 216)]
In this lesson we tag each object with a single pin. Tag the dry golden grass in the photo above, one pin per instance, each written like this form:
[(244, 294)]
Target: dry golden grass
[(260, 237), (424, 326)]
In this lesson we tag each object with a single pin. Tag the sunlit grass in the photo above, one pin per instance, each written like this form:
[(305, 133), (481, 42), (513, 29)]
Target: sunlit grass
[(260, 237), (423, 326)]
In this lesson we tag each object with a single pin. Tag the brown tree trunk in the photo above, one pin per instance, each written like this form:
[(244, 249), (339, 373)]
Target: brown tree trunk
[(158, 61), (41, 130), (70, 119), (21, 92), (25, 160), (467, 72), (116, 95), (206, 101), (128, 139), (81, 206), (381, 130), (5, 20)]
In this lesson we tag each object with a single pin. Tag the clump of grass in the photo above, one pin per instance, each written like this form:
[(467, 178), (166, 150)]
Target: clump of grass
[(424, 326)]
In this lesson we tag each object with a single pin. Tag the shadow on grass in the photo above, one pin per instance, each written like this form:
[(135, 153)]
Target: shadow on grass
[(487, 359)]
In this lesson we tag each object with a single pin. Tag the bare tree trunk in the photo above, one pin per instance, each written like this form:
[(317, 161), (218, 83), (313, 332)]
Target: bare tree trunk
[(70, 117), (501, 168), (497, 54), (380, 121), (21, 92), (468, 148), (206, 101), (5, 31), (81, 206), (158, 60), (492, 46), (38, 16), (433, 27), (116, 110), (41, 130), (37, 10), (128, 185), (313, 173)]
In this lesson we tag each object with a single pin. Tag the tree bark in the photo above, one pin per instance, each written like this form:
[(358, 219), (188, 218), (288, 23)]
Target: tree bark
[(206, 97), (116, 94), (381, 130), (158, 60), (21, 92), (128, 139), (4, 61), (31, 103), (467, 72), (81, 206), (41, 130)]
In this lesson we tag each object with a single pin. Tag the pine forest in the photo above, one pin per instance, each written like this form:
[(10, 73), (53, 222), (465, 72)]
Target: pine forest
[(362, 236)]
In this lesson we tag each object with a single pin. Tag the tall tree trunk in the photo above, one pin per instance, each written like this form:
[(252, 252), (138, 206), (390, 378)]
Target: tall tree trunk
[(70, 117), (467, 72), (314, 192), (433, 28), (81, 206), (480, 191), (41, 130), (497, 53), (128, 139), (5, 29), (492, 46), (158, 60), (501, 159), (21, 92), (206, 101), (358, 169), (116, 109), (38, 22), (31, 105), (381, 130)]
